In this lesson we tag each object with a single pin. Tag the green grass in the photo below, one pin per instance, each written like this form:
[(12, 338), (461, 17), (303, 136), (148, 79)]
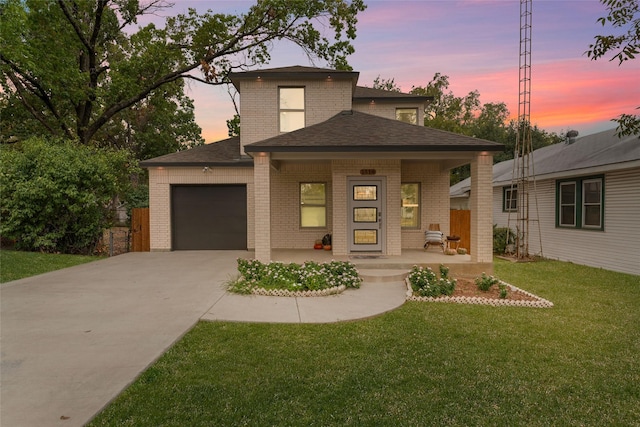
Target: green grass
[(16, 265), (577, 364)]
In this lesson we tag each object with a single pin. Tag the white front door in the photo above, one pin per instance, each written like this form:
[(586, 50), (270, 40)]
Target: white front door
[(365, 214)]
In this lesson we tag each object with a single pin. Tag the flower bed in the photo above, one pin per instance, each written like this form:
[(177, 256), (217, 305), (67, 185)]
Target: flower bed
[(424, 285), (308, 279)]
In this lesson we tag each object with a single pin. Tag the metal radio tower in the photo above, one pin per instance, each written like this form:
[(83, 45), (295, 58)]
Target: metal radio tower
[(523, 181)]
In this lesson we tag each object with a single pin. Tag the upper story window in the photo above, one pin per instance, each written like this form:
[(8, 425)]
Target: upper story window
[(291, 108), (407, 115), (580, 203)]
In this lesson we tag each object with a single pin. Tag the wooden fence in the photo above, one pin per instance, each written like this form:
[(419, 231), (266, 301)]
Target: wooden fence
[(460, 225), (140, 238)]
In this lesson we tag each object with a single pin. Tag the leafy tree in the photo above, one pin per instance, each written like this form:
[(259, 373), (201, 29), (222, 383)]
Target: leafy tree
[(386, 84), (56, 195), (447, 111), (622, 15), (75, 67)]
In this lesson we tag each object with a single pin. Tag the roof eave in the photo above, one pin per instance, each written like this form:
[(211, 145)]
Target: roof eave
[(200, 163), (369, 149)]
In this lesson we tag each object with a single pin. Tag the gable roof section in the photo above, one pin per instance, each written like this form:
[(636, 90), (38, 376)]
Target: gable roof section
[(353, 131), (222, 153), (599, 150)]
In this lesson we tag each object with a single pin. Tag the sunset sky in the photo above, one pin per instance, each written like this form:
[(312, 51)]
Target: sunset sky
[(476, 44)]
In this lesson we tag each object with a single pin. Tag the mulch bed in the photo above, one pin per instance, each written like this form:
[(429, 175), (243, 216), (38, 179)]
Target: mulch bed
[(468, 288)]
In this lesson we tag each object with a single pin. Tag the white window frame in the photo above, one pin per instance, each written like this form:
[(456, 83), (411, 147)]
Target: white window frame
[(406, 110), (282, 110), (313, 205), (418, 207)]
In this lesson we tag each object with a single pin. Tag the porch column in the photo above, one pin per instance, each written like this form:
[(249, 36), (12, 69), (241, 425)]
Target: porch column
[(480, 200), (262, 186)]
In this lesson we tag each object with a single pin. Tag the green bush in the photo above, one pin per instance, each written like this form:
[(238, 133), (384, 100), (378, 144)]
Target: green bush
[(56, 195), (485, 282), (502, 236), (426, 283), (310, 276)]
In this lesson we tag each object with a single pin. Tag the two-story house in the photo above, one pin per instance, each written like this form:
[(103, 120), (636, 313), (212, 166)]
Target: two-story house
[(319, 155)]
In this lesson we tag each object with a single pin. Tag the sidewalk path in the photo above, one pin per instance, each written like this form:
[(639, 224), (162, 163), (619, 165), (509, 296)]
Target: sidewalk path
[(73, 339)]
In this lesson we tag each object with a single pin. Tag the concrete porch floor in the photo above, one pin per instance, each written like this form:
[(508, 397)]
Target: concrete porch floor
[(459, 264)]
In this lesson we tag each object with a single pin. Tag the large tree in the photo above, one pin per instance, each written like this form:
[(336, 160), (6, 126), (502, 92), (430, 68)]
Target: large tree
[(624, 18), (76, 66)]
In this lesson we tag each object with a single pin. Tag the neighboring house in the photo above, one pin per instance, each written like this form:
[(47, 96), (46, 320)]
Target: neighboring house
[(318, 155), (588, 201)]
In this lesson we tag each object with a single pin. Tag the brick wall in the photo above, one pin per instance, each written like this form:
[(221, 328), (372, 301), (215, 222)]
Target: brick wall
[(387, 109), (259, 104), (160, 181), (480, 203), (285, 204), (434, 199)]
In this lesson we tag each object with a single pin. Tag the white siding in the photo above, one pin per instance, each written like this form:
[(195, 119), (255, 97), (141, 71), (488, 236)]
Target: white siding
[(616, 248)]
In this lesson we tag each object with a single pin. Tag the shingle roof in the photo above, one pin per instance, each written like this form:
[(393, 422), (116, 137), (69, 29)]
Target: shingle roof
[(367, 93), (353, 131), (222, 153), (602, 149), (296, 72)]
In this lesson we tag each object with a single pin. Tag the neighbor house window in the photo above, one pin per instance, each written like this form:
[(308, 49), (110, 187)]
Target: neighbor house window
[(410, 194), (592, 203), (291, 108), (407, 115), (313, 204), (580, 203), (509, 199)]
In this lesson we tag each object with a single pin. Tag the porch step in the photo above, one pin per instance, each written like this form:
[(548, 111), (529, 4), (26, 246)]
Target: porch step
[(382, 276)]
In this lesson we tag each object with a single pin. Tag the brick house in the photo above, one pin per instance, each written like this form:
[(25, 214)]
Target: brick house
[(319, 155)]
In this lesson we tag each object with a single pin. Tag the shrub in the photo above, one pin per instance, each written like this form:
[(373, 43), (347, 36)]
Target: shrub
[(310, 276), (56, 195), (502, 236), (426, 283), (485, 282)]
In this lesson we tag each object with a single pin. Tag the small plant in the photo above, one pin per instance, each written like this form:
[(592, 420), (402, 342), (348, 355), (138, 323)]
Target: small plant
[(485, 282), (503, 290), (426, 283)]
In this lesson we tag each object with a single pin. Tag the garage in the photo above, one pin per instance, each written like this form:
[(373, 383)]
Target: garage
[(209, 217)]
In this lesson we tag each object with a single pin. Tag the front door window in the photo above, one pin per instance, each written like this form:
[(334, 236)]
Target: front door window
[(366, 197)]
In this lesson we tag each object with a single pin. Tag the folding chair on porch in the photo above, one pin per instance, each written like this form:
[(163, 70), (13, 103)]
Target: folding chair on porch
[(434, 236)]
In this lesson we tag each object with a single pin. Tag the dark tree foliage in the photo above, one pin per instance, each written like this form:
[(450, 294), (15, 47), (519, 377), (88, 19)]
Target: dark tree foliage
[(57, 195), (76, 68), (624, 18)]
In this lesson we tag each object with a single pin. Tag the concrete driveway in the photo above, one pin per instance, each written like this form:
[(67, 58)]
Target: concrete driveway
[(72, 339)]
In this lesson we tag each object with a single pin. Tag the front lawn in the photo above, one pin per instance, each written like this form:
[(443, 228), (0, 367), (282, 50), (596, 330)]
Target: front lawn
[(576, 364), (16, 265)]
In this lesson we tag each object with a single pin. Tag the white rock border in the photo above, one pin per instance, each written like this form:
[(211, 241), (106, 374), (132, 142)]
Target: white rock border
[(288, 293), (538, 303)]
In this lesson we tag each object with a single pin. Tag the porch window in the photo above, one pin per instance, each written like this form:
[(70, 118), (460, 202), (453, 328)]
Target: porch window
[(291, 108), (313, 204), (580, 203), (509, 199), (410, 194), (407, 115)]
